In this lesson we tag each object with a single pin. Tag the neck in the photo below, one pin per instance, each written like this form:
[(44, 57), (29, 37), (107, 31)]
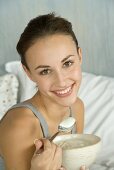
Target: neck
[(51, 110)]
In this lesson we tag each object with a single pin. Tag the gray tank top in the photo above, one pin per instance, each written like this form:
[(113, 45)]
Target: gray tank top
[(43, 123)]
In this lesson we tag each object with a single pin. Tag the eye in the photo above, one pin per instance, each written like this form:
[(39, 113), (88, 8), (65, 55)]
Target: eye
[(45, 72), (68, 63)]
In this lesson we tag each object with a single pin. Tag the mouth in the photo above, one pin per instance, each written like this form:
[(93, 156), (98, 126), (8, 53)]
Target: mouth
[(64, 92)]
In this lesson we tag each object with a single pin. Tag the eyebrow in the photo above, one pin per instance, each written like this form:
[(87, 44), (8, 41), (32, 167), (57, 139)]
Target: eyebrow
[(66, 58), (46, 66), (42, 66)]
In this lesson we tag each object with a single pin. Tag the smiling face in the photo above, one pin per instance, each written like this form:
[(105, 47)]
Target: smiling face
[(55, 65)]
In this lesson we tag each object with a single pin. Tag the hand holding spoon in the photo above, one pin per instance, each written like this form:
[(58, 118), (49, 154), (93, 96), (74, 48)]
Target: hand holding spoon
[(65, 126)]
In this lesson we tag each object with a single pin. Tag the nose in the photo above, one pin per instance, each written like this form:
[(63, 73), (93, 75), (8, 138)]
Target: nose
[(60, 79)]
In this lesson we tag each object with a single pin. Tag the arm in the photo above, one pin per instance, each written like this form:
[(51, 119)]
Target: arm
[(18, 133), (19, 129)]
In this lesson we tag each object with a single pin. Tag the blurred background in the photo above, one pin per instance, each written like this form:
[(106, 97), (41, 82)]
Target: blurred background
[(92, 20), (93, 24)]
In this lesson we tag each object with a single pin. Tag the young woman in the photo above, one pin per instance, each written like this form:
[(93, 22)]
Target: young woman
[(51, 57)]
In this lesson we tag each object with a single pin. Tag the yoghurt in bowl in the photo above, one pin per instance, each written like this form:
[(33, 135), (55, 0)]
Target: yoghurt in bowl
[(78, 149)]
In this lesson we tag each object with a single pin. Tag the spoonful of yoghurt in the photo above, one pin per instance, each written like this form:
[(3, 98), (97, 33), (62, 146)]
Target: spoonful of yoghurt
[(65, 126)]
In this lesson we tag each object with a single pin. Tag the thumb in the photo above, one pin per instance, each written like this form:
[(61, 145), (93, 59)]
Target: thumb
[(38, 145), (83, 167)]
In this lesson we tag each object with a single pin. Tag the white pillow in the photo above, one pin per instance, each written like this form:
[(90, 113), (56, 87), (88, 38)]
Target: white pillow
[(27, 88), (97, 92), (8, 92)]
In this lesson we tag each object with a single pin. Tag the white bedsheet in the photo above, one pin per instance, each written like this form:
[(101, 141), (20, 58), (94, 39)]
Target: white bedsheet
[(105, 161), (97, 92)]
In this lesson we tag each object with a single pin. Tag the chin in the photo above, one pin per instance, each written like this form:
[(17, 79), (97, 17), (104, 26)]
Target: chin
[(67, 102)]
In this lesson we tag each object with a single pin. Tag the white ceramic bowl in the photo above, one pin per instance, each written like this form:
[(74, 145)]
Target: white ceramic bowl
[(78, 149)]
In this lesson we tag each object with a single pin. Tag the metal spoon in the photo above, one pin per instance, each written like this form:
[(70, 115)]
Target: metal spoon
[(65, 126)]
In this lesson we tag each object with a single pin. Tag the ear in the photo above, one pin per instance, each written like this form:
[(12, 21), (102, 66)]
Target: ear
[(80, 54), (27, 71)]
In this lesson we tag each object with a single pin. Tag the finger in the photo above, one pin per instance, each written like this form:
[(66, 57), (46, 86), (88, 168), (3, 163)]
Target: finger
[(38, 145), (54, 149), (42, 145), (56, 157), (58, 153), (44, 157), (46, 144), (83, 167), (62, 168), (46, 147)]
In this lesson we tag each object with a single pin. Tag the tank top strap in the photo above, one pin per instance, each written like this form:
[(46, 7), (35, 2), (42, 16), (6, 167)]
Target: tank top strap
[(70, 111), (71, 115), (43, 123)]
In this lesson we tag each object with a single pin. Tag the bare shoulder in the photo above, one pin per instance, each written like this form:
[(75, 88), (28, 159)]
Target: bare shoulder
[(18, 129), (79, 105), (18, 119), (78, 111)]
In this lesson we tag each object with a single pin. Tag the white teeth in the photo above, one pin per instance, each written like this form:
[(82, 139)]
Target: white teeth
[(64, 91)]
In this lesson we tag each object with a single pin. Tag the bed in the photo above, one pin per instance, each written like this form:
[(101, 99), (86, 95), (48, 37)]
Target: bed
[(97, 93)]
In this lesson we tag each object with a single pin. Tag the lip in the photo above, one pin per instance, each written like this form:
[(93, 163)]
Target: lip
[(64, 92)]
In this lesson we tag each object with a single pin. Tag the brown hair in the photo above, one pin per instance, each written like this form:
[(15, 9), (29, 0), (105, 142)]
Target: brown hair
[(42, 26)]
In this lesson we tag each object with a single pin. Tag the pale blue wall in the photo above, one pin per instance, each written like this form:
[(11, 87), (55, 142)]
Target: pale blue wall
[(93, 23)]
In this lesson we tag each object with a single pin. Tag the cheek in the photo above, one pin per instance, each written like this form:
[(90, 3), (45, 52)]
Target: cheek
[(43, 85), (77, 73)]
